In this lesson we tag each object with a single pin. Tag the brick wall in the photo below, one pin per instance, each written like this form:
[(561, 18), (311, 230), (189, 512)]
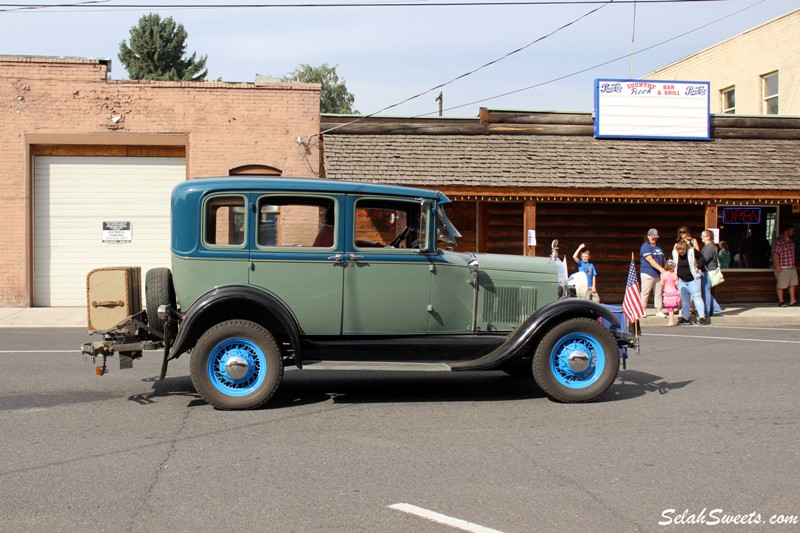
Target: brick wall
[(69, 101)]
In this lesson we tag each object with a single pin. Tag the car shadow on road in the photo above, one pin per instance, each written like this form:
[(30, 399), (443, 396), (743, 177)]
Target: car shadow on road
[(172, 386), (632, 384), (303, 388), (399, 387)]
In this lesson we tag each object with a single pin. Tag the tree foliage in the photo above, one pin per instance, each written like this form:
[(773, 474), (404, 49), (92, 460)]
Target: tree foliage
[(157, 52), (334, 97)]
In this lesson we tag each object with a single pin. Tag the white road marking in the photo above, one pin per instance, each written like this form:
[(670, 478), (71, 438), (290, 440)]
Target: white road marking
[(442, 519), (62, 351), (719, 338), (40, 351)]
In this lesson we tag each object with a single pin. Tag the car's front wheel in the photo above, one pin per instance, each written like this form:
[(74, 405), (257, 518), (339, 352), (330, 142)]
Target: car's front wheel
[(236, 365), (576, 361)]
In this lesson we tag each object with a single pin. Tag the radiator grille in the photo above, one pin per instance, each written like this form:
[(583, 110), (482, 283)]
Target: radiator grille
[(509, 304)]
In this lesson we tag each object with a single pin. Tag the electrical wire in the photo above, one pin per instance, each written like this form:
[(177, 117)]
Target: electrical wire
[(33, 7), (479, 3), (473, 71), (587, 69)]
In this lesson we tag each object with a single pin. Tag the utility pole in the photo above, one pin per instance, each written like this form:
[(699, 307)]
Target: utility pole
[(440, 99)]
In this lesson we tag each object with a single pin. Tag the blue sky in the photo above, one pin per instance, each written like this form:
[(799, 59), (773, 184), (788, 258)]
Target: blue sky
[(389, 54)]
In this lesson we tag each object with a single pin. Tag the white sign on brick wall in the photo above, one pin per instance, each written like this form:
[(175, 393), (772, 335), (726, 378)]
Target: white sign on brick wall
[(652, 109)]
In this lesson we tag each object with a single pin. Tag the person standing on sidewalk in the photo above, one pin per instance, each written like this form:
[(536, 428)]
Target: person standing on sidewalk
[(651, 265), (689, 264), (709, 251), (783, 261)]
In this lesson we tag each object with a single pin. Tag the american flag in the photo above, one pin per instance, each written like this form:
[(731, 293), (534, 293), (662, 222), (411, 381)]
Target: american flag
[(632, 303)]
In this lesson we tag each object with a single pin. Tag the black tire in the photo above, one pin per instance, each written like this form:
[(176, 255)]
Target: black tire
[(558, 365), (158, 291), (256, 355)]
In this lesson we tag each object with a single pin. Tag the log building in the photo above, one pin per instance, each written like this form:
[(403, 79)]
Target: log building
[(519, 176)]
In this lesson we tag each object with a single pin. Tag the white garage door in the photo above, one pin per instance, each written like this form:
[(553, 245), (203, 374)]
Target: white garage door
[(76, 198)]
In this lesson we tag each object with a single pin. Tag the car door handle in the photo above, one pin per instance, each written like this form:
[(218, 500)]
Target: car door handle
[(336, 258), (354, 257)]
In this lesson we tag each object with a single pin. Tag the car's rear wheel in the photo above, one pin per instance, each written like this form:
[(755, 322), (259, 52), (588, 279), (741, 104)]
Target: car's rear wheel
[(236, 365), (576, 361)]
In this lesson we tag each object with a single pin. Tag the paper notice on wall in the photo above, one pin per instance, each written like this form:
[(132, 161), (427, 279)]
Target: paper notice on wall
[(715, 233), (531, 237), (117, 232)]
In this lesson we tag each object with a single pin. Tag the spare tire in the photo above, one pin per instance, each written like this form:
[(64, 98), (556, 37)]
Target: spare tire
[(158, 291)]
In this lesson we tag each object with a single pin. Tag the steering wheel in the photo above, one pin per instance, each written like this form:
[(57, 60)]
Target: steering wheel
[(397, 240)]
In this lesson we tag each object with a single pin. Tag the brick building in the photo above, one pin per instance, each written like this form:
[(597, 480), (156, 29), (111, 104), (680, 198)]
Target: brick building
[(755, 72), (88, 163)]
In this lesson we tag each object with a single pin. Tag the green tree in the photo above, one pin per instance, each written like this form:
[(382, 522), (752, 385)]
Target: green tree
[(334, 98), (157, 52)]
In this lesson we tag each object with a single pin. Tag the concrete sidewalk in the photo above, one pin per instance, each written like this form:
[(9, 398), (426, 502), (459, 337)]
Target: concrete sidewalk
[(742, 315), (735, 315)]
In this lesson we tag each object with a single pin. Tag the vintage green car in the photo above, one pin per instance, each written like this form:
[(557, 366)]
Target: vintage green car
[(330, 275)]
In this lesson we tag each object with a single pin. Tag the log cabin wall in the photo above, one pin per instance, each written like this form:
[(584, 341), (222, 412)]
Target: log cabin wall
[(611, 231), (488, 227), (504, 228)]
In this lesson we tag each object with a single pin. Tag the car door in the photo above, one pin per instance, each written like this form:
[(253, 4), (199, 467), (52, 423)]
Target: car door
[(387, 276), (297, 256)]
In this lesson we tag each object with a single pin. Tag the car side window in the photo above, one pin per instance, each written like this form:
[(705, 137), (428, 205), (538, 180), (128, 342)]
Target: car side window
[(225, 220), (296, 221), (381, 223)]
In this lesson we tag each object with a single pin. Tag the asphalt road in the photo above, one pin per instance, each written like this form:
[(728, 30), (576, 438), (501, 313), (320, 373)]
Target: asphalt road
[(704, 421)]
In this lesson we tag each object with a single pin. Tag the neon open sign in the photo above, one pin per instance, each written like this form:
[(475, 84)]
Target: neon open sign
[(741, 215)]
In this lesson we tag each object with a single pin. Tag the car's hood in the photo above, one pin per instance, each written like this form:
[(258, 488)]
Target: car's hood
[(515, 263)]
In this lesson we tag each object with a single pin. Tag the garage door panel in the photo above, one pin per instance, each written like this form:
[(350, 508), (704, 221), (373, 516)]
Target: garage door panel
[(73, 196)]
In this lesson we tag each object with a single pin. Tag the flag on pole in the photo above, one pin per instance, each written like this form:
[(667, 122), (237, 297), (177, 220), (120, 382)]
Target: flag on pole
[(632, 303)]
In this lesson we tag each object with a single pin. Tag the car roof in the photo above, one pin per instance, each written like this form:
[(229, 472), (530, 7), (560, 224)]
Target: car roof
[(280, 183)]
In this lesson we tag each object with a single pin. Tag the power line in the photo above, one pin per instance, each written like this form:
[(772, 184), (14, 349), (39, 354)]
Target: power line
[(104, 5), (604, 63), (473, 71)]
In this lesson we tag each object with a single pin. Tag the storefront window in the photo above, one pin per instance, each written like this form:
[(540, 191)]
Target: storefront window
[(747, 232)]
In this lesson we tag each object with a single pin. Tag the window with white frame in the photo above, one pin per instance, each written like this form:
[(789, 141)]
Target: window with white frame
[(769, 90), (728, 100)]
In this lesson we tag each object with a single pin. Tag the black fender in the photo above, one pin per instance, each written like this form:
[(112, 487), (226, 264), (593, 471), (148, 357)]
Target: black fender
[(250, 303), (534, 326)]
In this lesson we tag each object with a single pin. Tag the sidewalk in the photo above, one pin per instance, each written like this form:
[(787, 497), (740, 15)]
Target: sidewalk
[(762, 315), (735, 315)]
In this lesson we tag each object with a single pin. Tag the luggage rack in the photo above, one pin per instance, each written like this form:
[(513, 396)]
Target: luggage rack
[(129, 338)]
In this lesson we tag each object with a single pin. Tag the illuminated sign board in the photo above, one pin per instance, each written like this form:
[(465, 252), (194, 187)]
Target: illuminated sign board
[(652, 109), (741, 215)]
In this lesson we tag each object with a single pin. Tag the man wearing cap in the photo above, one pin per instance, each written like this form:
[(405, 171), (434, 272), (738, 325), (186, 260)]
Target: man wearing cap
[(651, 266)]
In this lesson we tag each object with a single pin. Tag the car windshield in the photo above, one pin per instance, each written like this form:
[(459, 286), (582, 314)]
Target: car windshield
[(446, 232)]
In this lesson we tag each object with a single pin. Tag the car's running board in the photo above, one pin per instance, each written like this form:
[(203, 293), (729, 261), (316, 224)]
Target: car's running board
[(389, 366)]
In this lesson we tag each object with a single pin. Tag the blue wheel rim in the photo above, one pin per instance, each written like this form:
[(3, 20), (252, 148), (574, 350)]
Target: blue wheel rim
[(247, 350), (577, 344)]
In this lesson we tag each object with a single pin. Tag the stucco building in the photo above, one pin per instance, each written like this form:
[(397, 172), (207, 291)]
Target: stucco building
[(88, 163), (755, 72)]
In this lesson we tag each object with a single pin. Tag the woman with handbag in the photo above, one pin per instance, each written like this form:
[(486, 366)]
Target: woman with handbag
[(689, 265), (709, 252)]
